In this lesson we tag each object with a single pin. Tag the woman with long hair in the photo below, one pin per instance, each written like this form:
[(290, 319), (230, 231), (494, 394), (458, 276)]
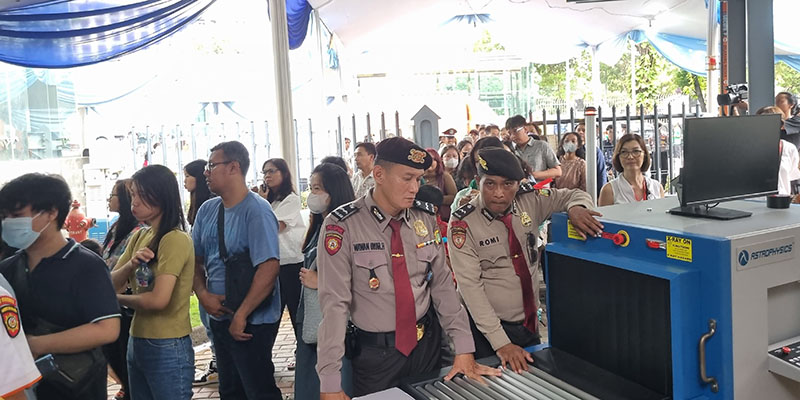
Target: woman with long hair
[(114, 245), (278, 190), (450, 159), (158, 265), (194, 181), (436, 176), (573, 168), (330, 188), (632, 160)]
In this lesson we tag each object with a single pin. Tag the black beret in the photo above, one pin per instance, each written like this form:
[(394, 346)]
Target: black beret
[(403, 151), (500, 162)]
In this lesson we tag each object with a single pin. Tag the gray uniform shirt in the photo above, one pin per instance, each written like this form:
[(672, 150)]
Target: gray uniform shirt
[(480, 255), (355, 240), (538, 154)]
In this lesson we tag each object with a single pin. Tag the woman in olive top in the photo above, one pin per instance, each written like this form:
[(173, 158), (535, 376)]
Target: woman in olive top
[(159, 266)]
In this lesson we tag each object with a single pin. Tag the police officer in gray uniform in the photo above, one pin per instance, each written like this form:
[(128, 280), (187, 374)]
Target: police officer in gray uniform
[(494, 255), (381, 261)]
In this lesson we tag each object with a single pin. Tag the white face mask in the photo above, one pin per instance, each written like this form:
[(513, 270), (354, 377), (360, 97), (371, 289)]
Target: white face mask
[(451, 163), (19, 233), (570, 147), (318, 203)]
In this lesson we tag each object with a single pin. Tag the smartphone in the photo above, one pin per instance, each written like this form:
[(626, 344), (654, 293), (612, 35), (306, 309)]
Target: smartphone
[(46, 365)]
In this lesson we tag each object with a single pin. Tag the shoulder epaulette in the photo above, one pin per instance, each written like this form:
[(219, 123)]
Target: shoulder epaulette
[(424, 206), (526, 187), (345, 211), (463, 211)]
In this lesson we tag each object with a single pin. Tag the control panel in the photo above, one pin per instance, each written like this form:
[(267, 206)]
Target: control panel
[(785, 359)]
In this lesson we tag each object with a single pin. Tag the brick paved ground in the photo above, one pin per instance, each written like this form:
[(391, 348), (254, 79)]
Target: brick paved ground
[(283, 353)]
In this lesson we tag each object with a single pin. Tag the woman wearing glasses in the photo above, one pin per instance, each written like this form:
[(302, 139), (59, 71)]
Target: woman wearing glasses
[(633, 161), (278, 190)]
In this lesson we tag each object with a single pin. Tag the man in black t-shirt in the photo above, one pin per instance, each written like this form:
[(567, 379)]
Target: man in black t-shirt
[(68, 287)]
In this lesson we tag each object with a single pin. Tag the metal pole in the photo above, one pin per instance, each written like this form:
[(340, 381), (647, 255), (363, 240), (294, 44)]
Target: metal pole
[(369, 130), (254, 157), (134, 144), (641, 122), (669, 143), (194, 142), (572, 119), (657, 142), (163, 146), (296, 153), (712, 57), (355, 139), (269, 145), (280, 50), (339, 136), (613, 137), (627, 119), (600, 125), (590, 113), (761, 53), (311, 143), (544, 122), (558, 124), (383, 126), (180, 160), (397, 123)]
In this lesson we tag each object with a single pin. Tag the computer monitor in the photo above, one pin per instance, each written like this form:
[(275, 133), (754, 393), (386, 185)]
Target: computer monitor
[(727, 158)]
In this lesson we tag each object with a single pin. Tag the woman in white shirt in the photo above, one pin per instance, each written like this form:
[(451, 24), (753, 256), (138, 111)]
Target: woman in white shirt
[(632, 160), (279, 191)]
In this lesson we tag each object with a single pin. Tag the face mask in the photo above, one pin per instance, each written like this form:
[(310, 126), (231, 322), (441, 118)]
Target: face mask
[(19, 233), (317, 203), (570, 147), (451, 163)]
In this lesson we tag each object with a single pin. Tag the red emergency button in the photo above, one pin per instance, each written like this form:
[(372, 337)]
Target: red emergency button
[(786, 350)]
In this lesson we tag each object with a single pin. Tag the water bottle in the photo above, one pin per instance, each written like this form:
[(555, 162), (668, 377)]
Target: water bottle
[(144, 276)]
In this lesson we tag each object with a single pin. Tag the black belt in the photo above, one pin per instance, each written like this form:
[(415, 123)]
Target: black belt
[(386, 339)]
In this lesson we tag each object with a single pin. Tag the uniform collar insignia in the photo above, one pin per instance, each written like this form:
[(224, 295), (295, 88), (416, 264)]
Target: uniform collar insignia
[(488, 214), (376, 212)]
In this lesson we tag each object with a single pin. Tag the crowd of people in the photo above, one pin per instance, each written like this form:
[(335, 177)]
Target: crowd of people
[(409, 257)]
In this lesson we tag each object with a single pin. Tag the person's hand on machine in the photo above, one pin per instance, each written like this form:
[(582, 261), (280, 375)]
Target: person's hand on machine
[(465, 364), (515, 357), (585, 222)]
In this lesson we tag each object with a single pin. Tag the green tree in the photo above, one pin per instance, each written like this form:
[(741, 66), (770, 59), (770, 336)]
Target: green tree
[(550, 79), (654, 75), (787, 78), (486, 45)]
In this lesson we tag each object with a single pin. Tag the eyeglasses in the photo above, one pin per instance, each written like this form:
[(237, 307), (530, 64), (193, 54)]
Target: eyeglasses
[(519, 129), (212, 165), (631, 154), (270, 171)]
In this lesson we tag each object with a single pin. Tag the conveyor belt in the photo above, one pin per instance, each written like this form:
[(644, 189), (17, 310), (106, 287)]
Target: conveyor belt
[(530, 385)]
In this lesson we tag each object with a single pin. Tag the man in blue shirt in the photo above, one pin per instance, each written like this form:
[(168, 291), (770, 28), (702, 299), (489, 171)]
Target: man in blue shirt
[(601, 160), (243, 337)]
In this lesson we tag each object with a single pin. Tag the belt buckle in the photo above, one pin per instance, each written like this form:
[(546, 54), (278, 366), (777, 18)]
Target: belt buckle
[(420, 331)]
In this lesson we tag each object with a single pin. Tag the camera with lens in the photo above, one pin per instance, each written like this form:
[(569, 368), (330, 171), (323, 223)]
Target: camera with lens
[(734, 94)]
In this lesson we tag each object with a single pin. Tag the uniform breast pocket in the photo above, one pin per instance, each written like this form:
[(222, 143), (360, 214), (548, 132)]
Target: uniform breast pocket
[(492, 259), (424, 272), (371, 273)]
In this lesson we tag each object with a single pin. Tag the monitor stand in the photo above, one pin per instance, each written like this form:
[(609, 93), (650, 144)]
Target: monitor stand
[(712, 213)]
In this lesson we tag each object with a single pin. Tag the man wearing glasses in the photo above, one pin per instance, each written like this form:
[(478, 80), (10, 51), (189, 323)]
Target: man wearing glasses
[(244, 333), (537, 153)]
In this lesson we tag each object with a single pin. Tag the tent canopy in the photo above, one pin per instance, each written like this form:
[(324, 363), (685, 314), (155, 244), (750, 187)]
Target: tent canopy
[(390, 35)]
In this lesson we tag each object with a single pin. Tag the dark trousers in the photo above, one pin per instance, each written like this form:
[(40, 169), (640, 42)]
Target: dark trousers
[(96, 389), (117, 353), (378, 368), (290, 289), (516, 332), (245, 368)]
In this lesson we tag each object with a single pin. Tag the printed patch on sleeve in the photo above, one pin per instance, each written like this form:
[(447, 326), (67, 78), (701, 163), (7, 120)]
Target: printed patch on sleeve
[(458, 233), (333, 239), (10, 314)]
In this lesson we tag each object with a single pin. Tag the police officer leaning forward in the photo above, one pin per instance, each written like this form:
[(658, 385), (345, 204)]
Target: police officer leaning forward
[(383, 263), (494, 254)]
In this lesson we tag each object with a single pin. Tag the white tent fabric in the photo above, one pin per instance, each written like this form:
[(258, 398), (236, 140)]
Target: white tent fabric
[(389, 35)]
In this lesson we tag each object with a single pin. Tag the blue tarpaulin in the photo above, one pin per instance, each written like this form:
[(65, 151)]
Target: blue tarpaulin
[(69, 33)]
